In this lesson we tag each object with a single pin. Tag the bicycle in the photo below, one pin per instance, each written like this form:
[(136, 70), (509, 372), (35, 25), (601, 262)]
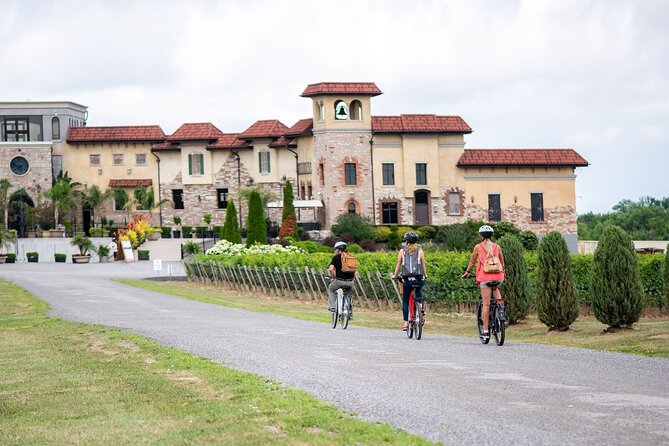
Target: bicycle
[(496, 317), (344, 309), (416, 310)]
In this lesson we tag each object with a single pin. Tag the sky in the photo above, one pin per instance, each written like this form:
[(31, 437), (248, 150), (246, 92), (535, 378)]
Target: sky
[(592, 76)]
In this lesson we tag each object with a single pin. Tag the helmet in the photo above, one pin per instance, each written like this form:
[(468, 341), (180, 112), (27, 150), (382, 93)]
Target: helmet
[(410, 237), (340, 245), (486, 231)]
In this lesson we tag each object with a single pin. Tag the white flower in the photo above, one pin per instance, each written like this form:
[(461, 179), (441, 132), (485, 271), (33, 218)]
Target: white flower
[(224, 247)]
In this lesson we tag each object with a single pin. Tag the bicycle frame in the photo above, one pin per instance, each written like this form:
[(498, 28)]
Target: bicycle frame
[(496, 318)]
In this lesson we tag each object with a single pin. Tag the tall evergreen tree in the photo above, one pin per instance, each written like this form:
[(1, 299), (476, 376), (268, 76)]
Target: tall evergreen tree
[(230, 230), (256, 227), (515, 289), (616, 288), (666, 275), (288, 218), (557, 298)]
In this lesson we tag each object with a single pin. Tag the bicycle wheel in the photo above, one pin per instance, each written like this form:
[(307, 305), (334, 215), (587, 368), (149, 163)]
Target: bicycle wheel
[(336, 313), (479, 323), (345, 316), (419, 321), (500, 329)]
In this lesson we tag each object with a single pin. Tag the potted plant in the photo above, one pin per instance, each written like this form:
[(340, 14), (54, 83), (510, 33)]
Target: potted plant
[(187, 231), (32, 256), (59, 257), (207, 219), (199, 231), (152, 234), (95, 232), (142, 254), (84, 244), (191, 248), (103, 252), (177, 232), (7, 237), (11, 258), (166, 232)]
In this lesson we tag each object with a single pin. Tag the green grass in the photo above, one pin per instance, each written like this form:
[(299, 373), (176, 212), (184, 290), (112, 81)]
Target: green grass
[(68, 383), (649, 337)]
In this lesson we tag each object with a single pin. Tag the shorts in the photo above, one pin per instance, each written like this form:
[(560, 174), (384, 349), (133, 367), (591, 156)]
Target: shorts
[(485, 283)]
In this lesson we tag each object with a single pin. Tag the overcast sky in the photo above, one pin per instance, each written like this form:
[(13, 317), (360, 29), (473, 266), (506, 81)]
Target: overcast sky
[(587, 75)]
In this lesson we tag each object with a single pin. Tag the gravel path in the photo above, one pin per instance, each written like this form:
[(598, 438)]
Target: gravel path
[(448, 389)]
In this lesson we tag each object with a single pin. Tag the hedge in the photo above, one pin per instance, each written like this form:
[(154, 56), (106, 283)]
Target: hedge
[(445, 268)]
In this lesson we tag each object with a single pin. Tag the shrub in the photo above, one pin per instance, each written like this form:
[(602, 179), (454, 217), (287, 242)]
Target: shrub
[(354, 248), (32, 256), (311, 247), (457, 237), (395, 240), (347, 237), (330, 241), (256, 228), (515, 290), (187, 230), (359, 227), (666, 277), (529, 240), (382, 234), (557, 298), (230, 231), (60, 257), (11, 258), (368, 245), (288, 217), (426, 232), (165, 231), (102, 250), (504, 227), (616, 288), (191, 247)]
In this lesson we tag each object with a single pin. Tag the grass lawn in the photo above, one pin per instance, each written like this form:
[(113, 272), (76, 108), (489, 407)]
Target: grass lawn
[(649, 337), (68, 383)]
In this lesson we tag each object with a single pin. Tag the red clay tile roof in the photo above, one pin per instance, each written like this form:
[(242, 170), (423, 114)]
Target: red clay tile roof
[(115, 134), (204, 131), (283, 142), (129, 183), (228, 141), (165, 146), (301, 127), (270, 128), (521, 157), (342, 88), (419, 124)]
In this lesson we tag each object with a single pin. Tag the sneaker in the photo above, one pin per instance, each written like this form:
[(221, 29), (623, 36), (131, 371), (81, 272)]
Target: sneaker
[(332, 310), (405, 327), (485, 333)]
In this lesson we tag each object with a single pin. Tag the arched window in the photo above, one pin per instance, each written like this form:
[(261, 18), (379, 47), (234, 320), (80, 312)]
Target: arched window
[(356, 110), (321, 111), (55, 128), (341, 110), (351, 208)]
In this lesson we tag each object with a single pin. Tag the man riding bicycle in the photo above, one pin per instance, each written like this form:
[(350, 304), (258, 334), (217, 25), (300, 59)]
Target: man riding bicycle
[(340, 279), (482, 251), (412, 261)]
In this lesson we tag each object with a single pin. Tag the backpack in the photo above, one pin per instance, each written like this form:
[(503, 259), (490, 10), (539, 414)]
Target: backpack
[(491, 264), (411, 264), (349, 263)]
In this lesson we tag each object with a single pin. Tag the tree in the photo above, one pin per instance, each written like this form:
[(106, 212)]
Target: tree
[(230, 230), (144, 199), (63, 194), (94, 197), (557, 298), (616, 288), (256, 227), (4, 199), (515, 289), (288, 218), (666, 274)]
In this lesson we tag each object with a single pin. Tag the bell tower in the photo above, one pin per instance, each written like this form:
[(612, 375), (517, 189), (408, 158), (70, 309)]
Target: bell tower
[(342, 132)]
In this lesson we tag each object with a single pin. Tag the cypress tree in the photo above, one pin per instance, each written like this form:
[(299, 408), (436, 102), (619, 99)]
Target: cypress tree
[(256, 227), (288, 218), (230, 230), (557, 298), (515, 290), (616, 288)]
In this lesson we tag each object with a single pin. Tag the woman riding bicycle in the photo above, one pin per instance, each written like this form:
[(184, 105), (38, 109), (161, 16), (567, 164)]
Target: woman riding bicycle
[(340, 279), (412, 261), (482, 251)]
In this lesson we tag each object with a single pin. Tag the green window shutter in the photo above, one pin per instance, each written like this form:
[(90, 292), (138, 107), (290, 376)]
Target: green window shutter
[(201, 164), (268, 169), (190, 164), (259, 162)]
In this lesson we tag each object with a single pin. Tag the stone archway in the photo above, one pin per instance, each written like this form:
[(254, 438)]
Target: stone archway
[(21, 212)]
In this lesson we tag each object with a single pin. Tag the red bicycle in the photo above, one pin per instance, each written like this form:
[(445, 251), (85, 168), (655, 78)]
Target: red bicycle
[(416, 309)]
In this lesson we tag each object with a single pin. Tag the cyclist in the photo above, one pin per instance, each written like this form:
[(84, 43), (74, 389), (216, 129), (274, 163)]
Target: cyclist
[(478, 257), (411, 259), (340, 279)]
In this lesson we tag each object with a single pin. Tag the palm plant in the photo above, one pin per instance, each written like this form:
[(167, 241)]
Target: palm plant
[(4, 198), (144, 198), (7, 237), (83, 243), (94, 198), (63, 194)]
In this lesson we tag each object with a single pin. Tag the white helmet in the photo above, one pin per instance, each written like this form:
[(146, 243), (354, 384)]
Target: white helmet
[(340, 245), (486, 231)]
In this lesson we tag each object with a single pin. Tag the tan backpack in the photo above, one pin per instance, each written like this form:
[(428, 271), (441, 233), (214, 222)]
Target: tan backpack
[(349, 263), (491, 264)]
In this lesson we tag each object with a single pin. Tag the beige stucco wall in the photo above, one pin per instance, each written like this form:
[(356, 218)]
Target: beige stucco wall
[(341, 125)]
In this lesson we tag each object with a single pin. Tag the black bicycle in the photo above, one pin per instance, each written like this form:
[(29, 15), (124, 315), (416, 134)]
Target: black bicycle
[(344, 308), (496, 317)]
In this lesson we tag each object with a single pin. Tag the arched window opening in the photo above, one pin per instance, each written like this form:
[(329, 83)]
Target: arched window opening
[(55, 128), (356, 110), (341, 110), (351, 208)]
